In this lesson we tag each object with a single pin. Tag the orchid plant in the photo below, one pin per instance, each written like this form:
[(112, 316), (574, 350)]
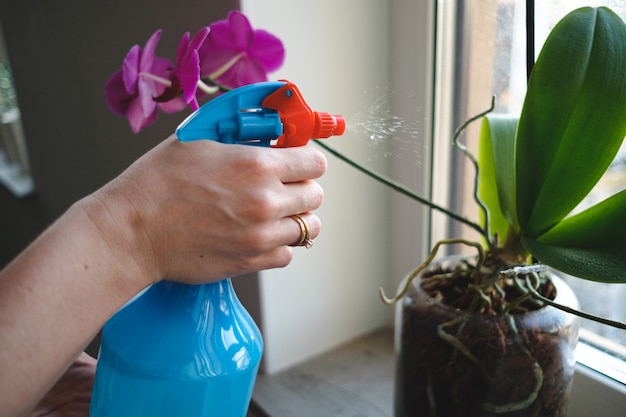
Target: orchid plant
[(224, 55), (532, 171)]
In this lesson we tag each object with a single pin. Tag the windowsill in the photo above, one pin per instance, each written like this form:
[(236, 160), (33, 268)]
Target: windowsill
[(599, 354), (357, 379), (354, 379)]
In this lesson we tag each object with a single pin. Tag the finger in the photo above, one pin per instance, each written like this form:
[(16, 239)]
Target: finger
[(299, 164), (302, 229), (278, 257), (260, 240), (300, 197)]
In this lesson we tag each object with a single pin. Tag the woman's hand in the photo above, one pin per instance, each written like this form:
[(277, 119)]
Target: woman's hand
[(202, 211)]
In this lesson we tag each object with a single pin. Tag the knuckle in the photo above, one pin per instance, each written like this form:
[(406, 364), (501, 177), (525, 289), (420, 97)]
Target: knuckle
[(246, 265), (259, 240), (258, 163), (263, 205), (258, 246)]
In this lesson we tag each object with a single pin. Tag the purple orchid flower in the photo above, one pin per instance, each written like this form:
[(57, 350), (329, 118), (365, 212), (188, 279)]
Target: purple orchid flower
[(234, 54), (188, 65), (131, 91), (229, 53)]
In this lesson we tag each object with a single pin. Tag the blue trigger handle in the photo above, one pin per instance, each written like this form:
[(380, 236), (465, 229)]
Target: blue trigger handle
[(236, 117)]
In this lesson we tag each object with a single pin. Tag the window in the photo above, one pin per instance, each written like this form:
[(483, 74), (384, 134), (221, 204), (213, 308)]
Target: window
[(14, 165), (488, 57)]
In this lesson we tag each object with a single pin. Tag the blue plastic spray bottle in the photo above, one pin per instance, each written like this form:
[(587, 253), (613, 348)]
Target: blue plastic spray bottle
[(180, 350)]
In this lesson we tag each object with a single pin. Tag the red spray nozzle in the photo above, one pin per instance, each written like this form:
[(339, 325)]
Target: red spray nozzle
[(327, 125), (300, 123)]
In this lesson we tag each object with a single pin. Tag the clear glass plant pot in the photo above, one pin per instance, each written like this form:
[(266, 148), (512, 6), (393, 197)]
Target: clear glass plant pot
[(451, 363)]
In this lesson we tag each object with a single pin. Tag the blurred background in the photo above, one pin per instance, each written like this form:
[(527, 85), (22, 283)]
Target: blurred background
[(61, 55)]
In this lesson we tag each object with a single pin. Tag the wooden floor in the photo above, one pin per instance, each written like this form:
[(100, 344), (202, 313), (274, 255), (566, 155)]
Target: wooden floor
[(353, 380)]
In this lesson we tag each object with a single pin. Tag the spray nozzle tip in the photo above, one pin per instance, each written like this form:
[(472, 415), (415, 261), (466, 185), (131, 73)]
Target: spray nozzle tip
[(327, 125), (341, 125)]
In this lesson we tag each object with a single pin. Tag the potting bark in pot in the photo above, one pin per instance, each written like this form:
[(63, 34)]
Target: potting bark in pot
[(453, 362)]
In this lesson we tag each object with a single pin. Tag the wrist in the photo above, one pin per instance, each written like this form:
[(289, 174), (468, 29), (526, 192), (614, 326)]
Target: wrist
[(122, 236)]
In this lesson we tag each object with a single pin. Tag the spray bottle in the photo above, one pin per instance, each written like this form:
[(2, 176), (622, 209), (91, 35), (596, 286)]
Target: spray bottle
[(179, 350)]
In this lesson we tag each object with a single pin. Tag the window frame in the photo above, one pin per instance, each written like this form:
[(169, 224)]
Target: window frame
[(600, 380)]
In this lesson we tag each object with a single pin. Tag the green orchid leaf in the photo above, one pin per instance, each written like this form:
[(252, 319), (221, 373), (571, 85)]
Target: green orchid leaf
[(572, 122), (496, 181), (601, 225), (593, 265), (590, 244)]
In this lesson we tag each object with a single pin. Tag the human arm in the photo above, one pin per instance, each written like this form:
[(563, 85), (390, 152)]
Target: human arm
[(194, 212)]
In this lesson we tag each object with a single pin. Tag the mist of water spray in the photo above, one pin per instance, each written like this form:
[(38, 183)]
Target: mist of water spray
[(390, 135)]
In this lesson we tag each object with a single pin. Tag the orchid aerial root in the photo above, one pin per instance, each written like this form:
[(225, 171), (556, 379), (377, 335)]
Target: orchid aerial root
[(428, 261)]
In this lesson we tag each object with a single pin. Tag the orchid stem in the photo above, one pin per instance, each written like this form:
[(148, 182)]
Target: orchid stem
[(228, 65), (209, 89), (570, 310), (166, 82), (401, 188)]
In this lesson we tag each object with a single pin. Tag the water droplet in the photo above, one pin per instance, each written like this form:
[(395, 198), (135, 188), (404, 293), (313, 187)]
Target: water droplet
[(385, 130)]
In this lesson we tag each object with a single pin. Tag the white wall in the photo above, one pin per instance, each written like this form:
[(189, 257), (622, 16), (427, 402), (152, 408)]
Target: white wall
[(338, 54)]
